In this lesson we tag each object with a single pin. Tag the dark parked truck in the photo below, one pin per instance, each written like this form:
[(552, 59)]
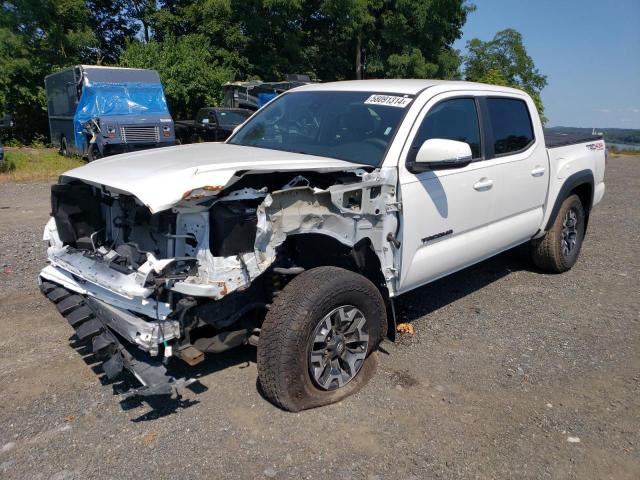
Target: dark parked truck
[(212, 124), (99, 111)]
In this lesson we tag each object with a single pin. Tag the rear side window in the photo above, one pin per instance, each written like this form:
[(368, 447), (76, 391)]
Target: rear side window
[(455, 119), (511, 124)]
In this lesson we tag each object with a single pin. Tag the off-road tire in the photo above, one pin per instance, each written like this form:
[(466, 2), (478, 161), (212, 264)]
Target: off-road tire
[(547, 251), (283, 348)]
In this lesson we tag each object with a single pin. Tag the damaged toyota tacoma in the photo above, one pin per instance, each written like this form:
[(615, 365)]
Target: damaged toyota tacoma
[(296, 234)]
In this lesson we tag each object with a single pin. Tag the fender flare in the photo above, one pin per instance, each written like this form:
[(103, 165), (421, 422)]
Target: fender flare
[(583, 177)]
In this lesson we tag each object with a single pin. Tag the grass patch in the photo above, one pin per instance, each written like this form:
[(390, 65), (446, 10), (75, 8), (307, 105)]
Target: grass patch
[(35, 164)]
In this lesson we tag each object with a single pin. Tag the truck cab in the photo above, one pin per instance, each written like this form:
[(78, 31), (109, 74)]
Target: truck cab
[(297, 233), (100, 111)]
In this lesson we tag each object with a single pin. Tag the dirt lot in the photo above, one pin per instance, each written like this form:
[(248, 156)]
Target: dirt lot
[(510, 374)]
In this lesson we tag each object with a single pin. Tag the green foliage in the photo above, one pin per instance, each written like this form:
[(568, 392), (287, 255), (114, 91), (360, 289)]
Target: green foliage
[(8, 165), (192, 73), (113, 27), (504, 61), (29, 164), (37, 38), (328, 39), (198, 45)]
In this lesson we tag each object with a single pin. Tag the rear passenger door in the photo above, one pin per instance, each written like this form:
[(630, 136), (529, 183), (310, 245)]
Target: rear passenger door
[(519, 151)]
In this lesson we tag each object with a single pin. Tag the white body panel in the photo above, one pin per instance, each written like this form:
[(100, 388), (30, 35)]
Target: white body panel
[(568, 160), (439, 201), (448, 218), (159, 178)]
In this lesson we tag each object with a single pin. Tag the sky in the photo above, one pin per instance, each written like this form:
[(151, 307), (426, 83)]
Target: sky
[(589, 50)]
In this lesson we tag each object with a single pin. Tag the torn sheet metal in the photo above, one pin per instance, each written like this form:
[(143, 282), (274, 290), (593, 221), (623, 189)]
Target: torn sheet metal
[(299, 209), (364, 209), (145, 306)]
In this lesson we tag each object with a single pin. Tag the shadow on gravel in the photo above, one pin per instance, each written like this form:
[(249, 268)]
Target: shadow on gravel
[(424, 300), (161, 406), (164, 405)]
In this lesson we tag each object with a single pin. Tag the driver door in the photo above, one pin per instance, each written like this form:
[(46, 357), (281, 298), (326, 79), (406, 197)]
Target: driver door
[(446, 212)]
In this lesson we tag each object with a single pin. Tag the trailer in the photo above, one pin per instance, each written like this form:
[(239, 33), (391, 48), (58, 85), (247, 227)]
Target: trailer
[(98, 111)]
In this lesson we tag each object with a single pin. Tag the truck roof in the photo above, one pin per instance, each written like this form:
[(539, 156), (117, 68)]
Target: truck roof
[(99, 73), (404, 86)]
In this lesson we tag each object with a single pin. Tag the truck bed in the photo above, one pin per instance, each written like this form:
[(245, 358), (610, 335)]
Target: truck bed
[(554, 139)]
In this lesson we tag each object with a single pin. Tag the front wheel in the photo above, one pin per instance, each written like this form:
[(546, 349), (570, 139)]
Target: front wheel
[(316, 342), (94, 153), (558, 250), (64, 148)]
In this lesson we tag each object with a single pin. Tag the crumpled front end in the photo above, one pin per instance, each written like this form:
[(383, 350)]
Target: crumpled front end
[(144, 288)]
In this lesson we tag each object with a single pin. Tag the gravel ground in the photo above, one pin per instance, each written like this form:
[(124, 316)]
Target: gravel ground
[(510, 374)]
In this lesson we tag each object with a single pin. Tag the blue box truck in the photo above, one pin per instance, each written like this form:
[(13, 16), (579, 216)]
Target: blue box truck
[(98, 111)]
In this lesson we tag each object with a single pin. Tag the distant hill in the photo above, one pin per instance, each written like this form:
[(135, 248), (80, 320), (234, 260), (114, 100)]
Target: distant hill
[(612, 135)]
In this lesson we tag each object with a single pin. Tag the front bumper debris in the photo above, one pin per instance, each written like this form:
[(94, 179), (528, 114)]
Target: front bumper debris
[(102, 327)]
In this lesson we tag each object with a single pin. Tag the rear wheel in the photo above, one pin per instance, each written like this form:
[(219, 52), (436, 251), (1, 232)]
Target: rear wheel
[(316, 342), (558, 250), (64, 148)]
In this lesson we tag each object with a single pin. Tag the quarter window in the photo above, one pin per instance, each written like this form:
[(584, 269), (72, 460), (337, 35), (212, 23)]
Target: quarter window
[(455, 119), (511, 124)]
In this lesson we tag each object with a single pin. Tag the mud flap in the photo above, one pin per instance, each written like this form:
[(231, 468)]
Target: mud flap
[(117, 356)]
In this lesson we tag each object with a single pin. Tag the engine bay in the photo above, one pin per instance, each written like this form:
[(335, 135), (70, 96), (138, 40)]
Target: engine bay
[(203, 272)]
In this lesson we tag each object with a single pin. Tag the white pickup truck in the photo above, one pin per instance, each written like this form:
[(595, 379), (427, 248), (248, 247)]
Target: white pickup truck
[(296, 234)]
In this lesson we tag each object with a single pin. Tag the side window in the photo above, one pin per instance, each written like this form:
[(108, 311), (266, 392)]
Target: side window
[(511, 124), (202, 113), (455, 119)]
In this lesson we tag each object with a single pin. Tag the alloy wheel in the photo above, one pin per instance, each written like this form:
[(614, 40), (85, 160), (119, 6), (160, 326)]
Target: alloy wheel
[(339, 346), (569, 232)]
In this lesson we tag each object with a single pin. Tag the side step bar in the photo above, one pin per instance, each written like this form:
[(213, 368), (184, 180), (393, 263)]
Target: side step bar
[(86, 316)]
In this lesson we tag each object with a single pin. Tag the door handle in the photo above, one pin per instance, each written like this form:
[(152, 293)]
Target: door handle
[(537, 172), (483, 184)]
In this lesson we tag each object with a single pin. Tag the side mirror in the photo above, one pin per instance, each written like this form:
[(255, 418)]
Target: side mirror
[(205, 121), (438, 153)]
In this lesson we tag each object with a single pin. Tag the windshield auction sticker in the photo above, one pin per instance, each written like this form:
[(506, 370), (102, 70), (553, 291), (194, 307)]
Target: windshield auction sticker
[(388, 100)]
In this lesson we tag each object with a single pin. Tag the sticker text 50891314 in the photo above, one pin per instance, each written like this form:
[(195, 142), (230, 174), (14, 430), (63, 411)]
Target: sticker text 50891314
[(388, 100)]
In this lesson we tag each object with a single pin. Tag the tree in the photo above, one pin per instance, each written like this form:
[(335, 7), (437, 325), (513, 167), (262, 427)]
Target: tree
[(36, 39), (504, 61), (191, 74), (113, 27), (197, 45), (328, 39), (352, 23), (390, 38), (143, 11)]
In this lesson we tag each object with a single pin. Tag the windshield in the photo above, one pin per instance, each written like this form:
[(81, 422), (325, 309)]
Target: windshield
[(352, 126), (123, 99), (231, 117)]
